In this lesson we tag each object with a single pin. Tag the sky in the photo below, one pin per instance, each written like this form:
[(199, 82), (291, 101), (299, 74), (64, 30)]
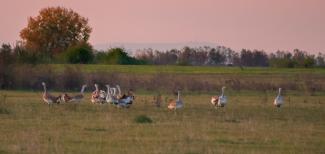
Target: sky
[(268, 25)]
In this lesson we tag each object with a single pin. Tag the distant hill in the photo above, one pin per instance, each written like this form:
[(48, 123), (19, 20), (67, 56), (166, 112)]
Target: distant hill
[(131, 47)]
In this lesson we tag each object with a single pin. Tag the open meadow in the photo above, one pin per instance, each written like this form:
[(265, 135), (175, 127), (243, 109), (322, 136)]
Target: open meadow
[(248, 124)]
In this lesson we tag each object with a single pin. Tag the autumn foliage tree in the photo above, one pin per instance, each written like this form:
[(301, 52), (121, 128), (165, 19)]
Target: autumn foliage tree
[(54, 30)]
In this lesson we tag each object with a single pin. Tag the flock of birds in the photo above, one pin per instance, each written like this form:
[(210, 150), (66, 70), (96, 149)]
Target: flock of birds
[(97, 96), (113, 95)]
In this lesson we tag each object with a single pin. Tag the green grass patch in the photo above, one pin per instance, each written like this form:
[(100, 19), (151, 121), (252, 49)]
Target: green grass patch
[(151, 69), (142, 119), (4, 111)]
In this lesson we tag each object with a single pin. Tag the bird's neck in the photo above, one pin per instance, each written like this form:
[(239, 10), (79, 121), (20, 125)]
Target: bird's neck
[(108, 93), (178, 96), (44, 87), (119, 90), (114, 91), (82, 90)]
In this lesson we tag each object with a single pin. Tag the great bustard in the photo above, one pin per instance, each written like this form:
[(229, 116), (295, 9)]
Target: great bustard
[(278, 101), (219, 101), (176, 104), (48, 98), (126, 100), (79, 97), (98, 96), (110, 95)]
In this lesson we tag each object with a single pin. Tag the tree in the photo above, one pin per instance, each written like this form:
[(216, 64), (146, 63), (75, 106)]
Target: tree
[(281, 59), (215, 57), (320, 60), (54, 30), (6, 56), (260, 58), (246, 57)]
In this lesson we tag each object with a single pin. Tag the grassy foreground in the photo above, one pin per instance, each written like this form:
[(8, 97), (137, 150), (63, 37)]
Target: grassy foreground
[(249, 124)]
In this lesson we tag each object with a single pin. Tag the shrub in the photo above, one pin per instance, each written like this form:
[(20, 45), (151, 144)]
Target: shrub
[(117, 56), (142, 119), (78, 54)]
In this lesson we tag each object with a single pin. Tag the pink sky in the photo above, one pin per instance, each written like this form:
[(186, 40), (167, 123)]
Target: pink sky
[(253, 24)]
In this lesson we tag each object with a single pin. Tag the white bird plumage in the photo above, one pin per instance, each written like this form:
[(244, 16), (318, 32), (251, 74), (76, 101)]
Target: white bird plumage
[(278, 101), (110, 98), (220, 101)]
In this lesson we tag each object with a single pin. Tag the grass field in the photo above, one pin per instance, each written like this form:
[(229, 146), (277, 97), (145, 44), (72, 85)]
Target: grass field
[(248, 124), (151, 69)]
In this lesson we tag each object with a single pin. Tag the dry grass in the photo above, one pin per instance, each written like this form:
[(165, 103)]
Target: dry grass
[(246, 125), (164, 78)]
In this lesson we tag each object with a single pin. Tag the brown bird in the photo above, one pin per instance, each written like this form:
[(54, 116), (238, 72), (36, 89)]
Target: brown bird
[(175, 104), (48, 98)]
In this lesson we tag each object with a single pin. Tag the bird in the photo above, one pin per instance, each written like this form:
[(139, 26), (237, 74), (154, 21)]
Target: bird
[(219, 101), (278, 101), (102, 96), (110, 98), (175, 104), (98, 96), (126, 100), (119, 95), (64, 98), (79, 97), (48, 98), (214, 100)]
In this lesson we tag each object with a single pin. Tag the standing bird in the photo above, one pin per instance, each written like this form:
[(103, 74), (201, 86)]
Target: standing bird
[(119, 95), (79, 97), (278, 101), (95, 95), (48, 98), (110, 98), (98, 96), (219, 101), (175, 104)]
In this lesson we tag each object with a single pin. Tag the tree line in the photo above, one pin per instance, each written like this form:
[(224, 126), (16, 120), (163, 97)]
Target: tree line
[(223, 56), (83, 53)]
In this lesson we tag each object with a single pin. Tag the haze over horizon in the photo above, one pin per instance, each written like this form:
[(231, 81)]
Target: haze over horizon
[(252, 24)]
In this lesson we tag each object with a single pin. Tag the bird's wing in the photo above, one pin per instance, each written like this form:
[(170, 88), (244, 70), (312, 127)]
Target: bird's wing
[(49, 96), (78, 96)]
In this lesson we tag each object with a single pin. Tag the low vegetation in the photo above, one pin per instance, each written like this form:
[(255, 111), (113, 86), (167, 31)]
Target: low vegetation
[(162, 78), (248, 124), (142, 119)]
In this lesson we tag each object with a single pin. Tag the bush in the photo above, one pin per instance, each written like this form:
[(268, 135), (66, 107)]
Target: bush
[(142, 119), (117, 56), (78, 54), (309, 62)]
